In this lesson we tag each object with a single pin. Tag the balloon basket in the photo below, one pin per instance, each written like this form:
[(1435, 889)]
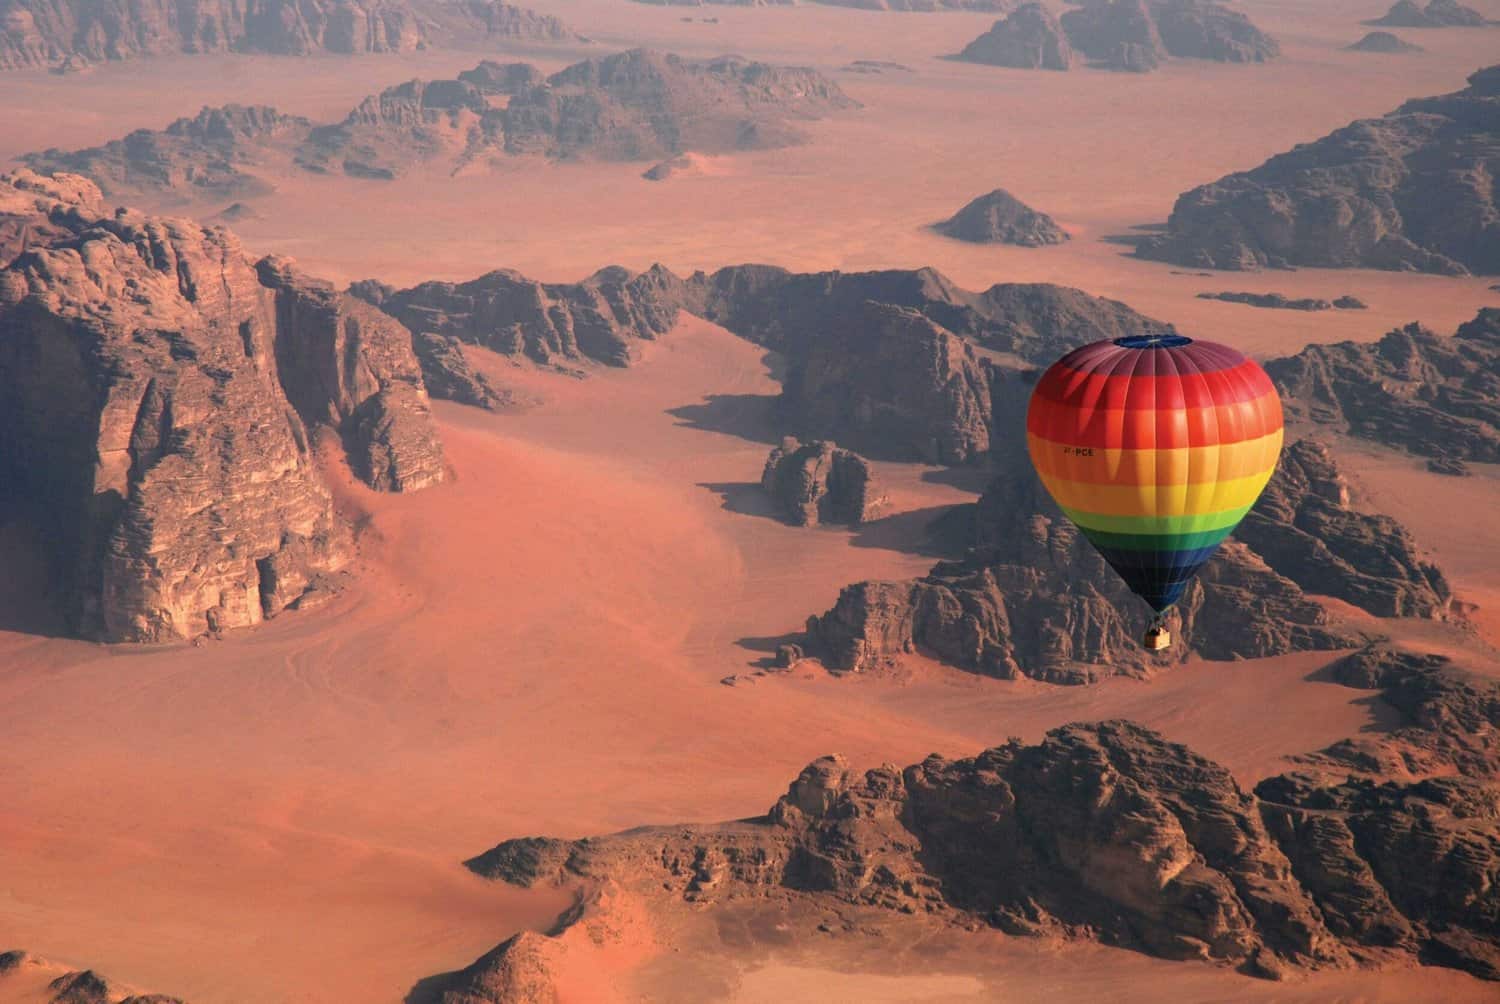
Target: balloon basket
[(1157, 638)]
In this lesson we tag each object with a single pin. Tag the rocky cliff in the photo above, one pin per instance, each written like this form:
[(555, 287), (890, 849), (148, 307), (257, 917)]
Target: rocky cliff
[(213, 154), (1030, 38), (1000, 218), (68, 32), (1106, 831), (43, 32), (1384, 42), (818, 482), (1434, 396), (1408, 191), (636, 105), (1136, 35), (1437, 14), (158, 420)]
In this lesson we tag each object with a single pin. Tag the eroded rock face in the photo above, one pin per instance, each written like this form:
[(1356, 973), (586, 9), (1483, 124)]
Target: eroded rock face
[(1107, 831), (890, 381), (1000, 218), (818, 482), (149, 421), (1136, 35), (1116, 35), (1303, 527), (1030, 38), (1437, 14), (1384, 42), (1409, 191), (558, 324), (1435, 397), (42, 32)]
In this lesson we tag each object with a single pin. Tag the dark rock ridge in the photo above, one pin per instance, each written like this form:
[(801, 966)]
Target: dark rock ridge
[(77, 32), (818, 482), (1030, 38), (213, 154), (158, 395), (1410, 191), (82, 986), (1361, 857), (1277, 301), (891, 364), (1136, 35), (1437, 14), (1384, 42), (1303, 526), (1001, 218), (1433, 396), (636, 105)]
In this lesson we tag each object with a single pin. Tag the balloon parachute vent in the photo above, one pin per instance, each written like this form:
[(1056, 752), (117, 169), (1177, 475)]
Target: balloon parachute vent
[(1157, 638), (1153, 341)]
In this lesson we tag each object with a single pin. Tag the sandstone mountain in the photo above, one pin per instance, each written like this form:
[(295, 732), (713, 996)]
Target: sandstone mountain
[(1030, 38), (1409, 191), (1136, 35), (211, 155), (48, 32), (1437, 14), (1433, 396), (818, 482), (1106, 831), (1384, 42), (1000, 218), (920, 5), (71, 986), (635, 105), (159, 394), (1279, 301)]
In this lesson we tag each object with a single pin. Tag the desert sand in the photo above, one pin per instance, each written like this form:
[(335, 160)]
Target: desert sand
[(536, 646)]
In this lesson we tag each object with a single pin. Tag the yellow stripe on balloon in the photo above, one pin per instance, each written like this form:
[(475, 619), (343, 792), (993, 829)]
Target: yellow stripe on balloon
[(1184, 499), (1186, 465)]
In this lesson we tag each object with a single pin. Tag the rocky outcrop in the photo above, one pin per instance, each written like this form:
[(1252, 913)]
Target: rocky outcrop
[(459, 21), (817, 482), (1030, 38), (1409, 191), (347, 365), (1435, 397), (643, 105), (214, 154), (555, 324), (158, 422), (636, 105), (1437, 14), (1136, 35), (43, 32), (78, 986), (920, 5), (1001, 218), (1384, 42), (890, 381), (1278, 301), (1303, 526)]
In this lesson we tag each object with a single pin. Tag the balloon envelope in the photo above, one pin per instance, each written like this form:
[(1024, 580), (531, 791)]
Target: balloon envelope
[(1155, 446)]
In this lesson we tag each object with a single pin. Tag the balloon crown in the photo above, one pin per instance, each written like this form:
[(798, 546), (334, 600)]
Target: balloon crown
[(1153, 341)]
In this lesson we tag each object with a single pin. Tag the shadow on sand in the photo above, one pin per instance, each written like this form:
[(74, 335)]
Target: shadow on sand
[(748, 416)]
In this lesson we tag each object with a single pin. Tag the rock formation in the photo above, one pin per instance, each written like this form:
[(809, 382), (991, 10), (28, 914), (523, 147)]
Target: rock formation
[(1437, 14), (1303, 526), (212, 155), (1107, 831), (43, 32), (1435, 397), (556, 324), (77, 32), (1408, 191), (1001, 218), (636, 105), (920, 5), (1384, 42), (1030, 38), (890, 381), (79, 986), (1136, 35), (158, 395), (817, 482), (1277, 301)]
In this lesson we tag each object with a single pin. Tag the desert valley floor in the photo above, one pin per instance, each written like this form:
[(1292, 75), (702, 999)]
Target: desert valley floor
[(536, 646)]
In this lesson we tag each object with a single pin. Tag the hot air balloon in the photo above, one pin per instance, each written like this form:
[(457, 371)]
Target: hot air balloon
[(1155, 446)]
